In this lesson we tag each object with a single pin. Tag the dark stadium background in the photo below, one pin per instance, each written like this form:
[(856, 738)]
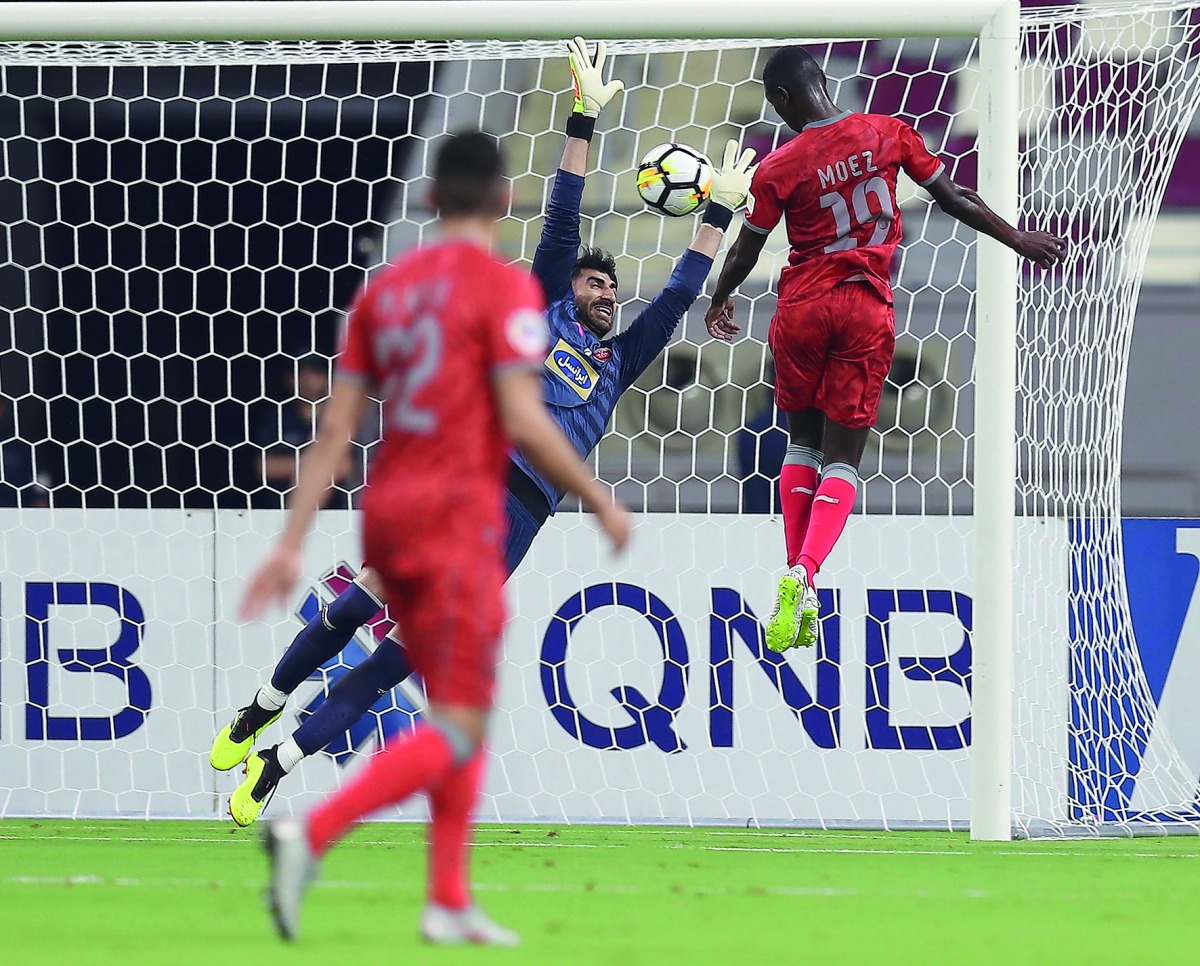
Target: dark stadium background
[(141, 278), (136, 357)]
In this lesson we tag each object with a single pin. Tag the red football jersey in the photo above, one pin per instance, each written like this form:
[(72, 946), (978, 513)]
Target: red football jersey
[(835, 186), (428, 333)]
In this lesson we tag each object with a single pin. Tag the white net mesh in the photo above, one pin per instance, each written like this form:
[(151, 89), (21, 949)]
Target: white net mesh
[(1107, 98), (182, 226)]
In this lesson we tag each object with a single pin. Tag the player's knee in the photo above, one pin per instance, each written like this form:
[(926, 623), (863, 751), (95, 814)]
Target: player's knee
[(371, 582), (388, 663), (844, 444), (463, 728)]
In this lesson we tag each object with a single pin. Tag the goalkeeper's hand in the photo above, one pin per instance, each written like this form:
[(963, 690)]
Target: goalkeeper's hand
[(731, 182), (591, 93)]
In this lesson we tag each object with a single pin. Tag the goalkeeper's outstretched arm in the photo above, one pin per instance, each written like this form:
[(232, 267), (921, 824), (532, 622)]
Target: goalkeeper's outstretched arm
[(652, 329), (591, 95), (558, 246)]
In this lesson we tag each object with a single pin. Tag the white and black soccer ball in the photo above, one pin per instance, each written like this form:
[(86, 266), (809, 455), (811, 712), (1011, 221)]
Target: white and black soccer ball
[(674, 179)]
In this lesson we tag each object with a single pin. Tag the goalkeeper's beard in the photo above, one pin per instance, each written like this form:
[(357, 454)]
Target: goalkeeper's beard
[(596, 319)]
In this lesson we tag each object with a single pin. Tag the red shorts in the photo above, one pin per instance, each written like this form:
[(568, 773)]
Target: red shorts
[(449, 608), (833, 353)]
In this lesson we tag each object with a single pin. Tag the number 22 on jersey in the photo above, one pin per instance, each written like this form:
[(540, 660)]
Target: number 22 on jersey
[(409, 348)]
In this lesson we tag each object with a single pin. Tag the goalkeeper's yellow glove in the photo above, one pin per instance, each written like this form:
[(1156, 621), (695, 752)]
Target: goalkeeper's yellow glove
[(731, 182), (591, 93)]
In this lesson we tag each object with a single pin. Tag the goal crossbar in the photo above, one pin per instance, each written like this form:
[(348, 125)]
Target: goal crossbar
[(486, 19)]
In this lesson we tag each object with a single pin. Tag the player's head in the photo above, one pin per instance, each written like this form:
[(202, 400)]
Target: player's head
[(594, 283), (469, 179), (795, 86)]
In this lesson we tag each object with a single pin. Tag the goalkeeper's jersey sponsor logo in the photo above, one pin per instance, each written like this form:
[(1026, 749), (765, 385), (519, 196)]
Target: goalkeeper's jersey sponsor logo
[(572, 368)]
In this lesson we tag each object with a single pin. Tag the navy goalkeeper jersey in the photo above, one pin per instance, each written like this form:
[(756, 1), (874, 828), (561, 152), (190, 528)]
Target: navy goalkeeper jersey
[(583, 377)]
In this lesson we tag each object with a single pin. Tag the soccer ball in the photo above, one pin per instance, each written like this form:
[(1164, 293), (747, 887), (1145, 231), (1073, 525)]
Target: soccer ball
[(674, 179)]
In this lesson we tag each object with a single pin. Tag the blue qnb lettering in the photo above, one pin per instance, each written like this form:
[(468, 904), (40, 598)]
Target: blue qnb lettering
[(881, 733), (652, 722), (386, 718), (113, 660), (819, 715)]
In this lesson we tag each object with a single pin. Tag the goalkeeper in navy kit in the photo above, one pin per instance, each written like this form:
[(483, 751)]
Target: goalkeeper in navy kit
[(586, 372)]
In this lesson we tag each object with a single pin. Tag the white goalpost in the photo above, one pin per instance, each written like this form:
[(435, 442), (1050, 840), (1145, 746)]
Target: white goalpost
[(191, 191)]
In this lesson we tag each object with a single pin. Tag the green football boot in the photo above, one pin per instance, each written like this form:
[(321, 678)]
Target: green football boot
[(793, 622), (236, 740)]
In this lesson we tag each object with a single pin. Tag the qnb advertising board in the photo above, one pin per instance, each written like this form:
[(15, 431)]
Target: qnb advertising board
[(632, 689), (1162, 565)]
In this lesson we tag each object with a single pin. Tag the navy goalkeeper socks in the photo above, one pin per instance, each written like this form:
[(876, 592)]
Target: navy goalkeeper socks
[(323, 637), (352, 695)]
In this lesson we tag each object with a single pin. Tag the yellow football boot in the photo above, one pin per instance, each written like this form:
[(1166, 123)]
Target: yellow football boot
[(235, 741)]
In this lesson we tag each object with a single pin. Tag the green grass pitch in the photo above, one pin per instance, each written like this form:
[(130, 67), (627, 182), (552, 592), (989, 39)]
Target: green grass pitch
[(174, 893)]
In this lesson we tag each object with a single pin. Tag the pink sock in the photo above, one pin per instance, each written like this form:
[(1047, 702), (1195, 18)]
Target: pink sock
[(797, 485), (452, 804), (403, 767), (832, 504)]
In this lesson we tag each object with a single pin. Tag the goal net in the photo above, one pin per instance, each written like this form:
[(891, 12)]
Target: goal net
[(182, 225)]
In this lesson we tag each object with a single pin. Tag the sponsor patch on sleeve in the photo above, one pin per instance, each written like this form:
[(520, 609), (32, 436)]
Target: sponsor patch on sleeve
[(527, 333), (749, 203)]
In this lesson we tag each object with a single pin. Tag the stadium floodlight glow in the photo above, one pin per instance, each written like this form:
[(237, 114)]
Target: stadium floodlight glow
[(134, 201)]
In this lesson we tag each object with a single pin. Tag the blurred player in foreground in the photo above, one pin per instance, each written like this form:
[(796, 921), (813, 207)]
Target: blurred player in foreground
[(583, 377), (833, 333), (451, 340)]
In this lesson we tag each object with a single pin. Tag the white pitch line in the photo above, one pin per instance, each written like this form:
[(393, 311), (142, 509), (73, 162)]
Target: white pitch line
[(1077, 855), (237, 839), (764, 848), (545, 845), (537, 887), (518, 843), (783, 892), (841, 833), (152, 883), (122, 838)]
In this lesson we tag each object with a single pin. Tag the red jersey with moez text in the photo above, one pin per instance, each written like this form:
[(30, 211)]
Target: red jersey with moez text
[(834, 185), (428, 333)]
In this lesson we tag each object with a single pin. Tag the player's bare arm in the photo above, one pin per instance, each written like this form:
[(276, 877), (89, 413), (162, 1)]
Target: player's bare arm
[(277, 575), (739, 263), (964, 203), (530, 428)]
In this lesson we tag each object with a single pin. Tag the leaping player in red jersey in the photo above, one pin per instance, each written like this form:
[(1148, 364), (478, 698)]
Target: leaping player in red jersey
[(453, 341), (833, 333)]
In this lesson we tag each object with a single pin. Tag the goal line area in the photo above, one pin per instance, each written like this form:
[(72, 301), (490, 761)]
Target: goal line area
[(565, 886)]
